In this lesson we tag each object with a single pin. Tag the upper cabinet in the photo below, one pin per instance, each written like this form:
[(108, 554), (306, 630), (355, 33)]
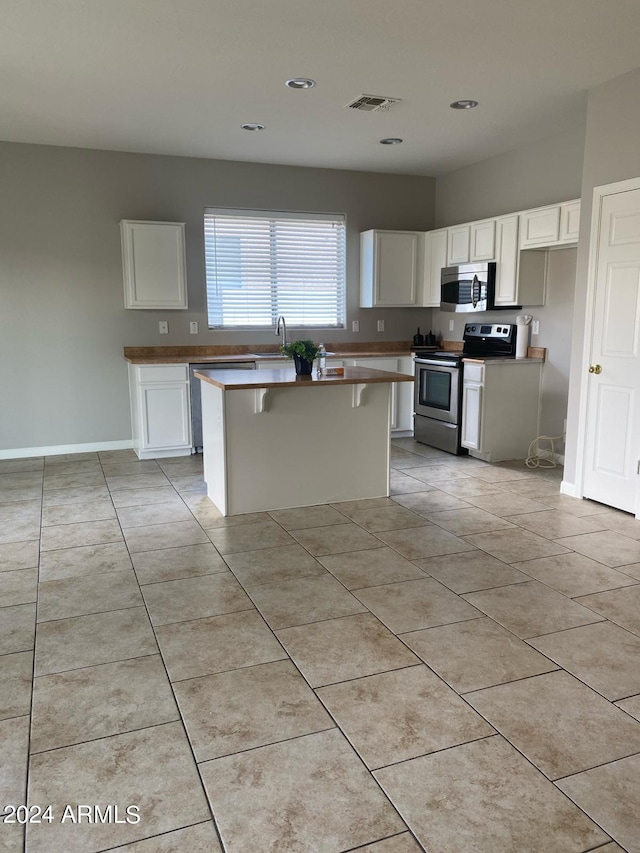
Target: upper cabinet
[(550, 226), (154, 265), (389, 275), (389, 269), (471, 243), (507, 260), (570, 221), (433, 257), (458, 241)]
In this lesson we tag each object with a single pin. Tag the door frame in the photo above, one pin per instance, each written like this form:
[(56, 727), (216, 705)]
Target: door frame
[(589, 323)]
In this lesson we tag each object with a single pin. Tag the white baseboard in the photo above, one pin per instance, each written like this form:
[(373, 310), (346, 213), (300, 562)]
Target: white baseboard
[(57, 449), (570, 489)]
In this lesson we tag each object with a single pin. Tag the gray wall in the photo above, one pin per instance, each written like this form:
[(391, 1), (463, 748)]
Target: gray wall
[(547, 172), (62, 321), (612, 153), (538, 174)]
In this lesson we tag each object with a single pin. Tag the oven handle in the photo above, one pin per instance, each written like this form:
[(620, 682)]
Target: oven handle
[(435, 363)]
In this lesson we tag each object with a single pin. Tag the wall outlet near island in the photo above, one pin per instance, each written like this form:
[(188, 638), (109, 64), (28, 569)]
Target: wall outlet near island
[(193, 327), (355, 325), (535, 327), (381, 325), (451, 325), (163, 327)]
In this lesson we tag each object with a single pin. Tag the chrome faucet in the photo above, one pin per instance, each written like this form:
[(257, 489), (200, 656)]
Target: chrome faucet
[(281, 322)]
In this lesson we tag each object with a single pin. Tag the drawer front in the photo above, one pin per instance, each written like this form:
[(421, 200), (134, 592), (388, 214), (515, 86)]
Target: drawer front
[(474, 373), (163, 373)]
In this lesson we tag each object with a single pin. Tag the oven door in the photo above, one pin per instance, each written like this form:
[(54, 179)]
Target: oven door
[(437, 390)]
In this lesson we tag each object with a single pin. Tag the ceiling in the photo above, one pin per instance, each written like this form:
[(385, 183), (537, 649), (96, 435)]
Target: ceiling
[(181, 76)]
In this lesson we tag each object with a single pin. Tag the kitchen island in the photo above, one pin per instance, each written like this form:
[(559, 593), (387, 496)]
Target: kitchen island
[(274, 440)]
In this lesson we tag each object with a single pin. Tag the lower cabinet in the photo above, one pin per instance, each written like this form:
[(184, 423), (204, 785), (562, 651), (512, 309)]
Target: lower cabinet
[(160, 410), (500, 408), (401, 393)]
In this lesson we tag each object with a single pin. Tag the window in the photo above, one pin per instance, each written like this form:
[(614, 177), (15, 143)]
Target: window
[(261, 264)]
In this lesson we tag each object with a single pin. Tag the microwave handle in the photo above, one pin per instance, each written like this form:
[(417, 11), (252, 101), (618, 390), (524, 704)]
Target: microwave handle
[(475, 291)]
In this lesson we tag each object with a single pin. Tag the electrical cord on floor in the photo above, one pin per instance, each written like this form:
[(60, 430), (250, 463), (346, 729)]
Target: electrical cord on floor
[(539, 457)]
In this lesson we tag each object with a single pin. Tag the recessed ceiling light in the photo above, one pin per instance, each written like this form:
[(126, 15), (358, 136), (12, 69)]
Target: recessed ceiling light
[(463, 105), (252, 126), (300, 83), (391, 140)]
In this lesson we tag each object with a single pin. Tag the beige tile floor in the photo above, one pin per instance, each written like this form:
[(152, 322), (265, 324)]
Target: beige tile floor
[(454, 668)]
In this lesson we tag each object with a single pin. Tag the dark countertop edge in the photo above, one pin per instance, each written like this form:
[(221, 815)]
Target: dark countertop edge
[(286, 378)]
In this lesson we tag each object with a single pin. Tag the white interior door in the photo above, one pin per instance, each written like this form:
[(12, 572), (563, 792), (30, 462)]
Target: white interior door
[(613, 403)]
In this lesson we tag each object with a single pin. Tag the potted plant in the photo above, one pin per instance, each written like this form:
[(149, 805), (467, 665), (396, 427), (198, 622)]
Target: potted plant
[(303, 353)]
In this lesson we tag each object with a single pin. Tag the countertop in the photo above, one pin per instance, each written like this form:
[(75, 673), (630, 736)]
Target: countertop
[(248, 353), (233, 380)]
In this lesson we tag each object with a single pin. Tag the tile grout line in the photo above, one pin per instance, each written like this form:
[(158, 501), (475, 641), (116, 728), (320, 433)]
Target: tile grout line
[(175, 698)]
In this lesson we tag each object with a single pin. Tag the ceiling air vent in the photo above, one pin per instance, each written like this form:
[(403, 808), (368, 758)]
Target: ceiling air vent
[(372, 103)]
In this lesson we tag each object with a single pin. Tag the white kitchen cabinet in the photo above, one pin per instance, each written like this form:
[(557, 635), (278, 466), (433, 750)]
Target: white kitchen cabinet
[(500, 408), (507, 260), (483, 241), (388, 269), (550, 226), (458, 245), (570, 221), (471, 415), (433, 259), (401, 393), (539, 227), (154, 265), (472, 243), (160, 410), (404, 396)]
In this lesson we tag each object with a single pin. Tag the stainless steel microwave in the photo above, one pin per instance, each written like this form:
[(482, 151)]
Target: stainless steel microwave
[(469, 288)]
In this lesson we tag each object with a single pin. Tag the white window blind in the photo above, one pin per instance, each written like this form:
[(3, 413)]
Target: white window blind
[(262, 264)]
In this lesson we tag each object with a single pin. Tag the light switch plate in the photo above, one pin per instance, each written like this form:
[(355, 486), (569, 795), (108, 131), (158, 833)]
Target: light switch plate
[(163, 327), (451, 325), (193, 327), (535, 327), (381, 325), (355, 325)]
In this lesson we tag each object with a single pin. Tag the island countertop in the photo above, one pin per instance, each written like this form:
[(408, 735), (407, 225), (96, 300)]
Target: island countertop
[(230, 380)]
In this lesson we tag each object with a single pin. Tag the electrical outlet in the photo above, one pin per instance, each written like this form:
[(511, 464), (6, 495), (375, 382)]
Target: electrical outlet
[(193, 327), (355, 325), (381, 325), (535, 327), (163, 327), (451, 325)]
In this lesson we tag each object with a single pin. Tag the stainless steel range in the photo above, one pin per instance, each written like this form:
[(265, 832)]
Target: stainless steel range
[(438, 383)]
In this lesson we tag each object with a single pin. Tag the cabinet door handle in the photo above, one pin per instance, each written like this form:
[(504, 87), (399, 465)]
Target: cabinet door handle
[(595, 368)]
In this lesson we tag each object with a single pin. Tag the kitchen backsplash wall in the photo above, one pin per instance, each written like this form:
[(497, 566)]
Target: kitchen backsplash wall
[(62, 319)]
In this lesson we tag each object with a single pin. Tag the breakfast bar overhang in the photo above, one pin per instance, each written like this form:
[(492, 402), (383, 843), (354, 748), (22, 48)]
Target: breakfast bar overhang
[(274, 440)]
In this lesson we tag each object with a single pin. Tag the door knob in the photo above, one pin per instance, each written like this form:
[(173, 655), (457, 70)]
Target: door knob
[(595, 368)]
